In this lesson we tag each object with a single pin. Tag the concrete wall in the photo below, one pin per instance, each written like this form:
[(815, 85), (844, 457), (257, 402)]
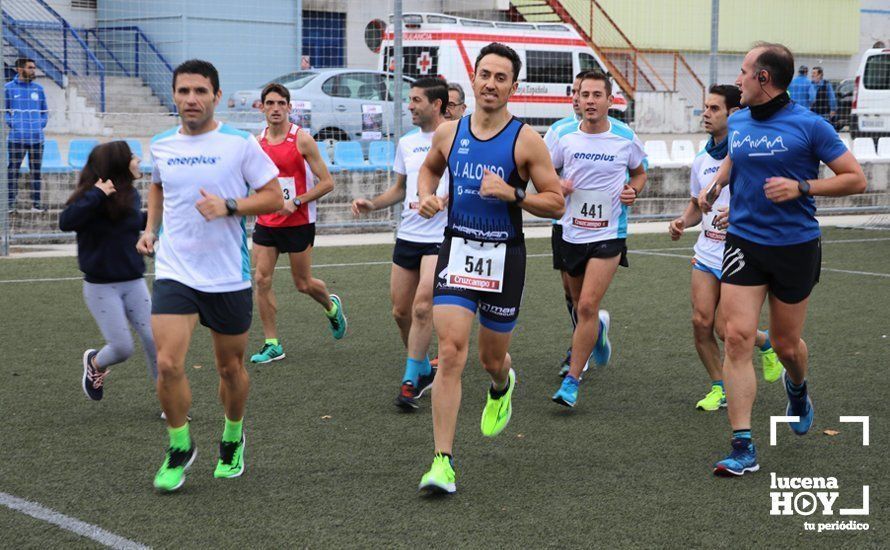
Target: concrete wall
[(874, 27), (249, 42), (78, 17), (827, 27)]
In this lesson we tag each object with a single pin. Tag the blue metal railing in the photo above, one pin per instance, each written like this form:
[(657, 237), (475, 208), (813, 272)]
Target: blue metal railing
[(59, 51), (128, 51), (15, 32)]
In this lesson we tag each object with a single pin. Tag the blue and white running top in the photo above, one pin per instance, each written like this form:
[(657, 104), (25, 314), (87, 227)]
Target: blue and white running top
[(470, 215), (788, 144), (597, 165), (709, 246), (210, 256)]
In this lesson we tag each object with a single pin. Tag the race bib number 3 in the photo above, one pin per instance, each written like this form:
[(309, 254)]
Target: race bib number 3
[(591, 209), (288, 188), (474, 265)]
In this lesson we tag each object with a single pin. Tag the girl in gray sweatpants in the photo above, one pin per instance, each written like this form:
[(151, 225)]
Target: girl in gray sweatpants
[(106, 212)]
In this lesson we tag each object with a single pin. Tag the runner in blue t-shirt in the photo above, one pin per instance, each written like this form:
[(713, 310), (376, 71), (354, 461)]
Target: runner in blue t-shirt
[(490, 156), (772, 244)]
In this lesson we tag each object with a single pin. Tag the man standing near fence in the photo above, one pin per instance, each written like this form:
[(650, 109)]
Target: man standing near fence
[(825, 101), (801, 89), (292, 230), (26, 117)]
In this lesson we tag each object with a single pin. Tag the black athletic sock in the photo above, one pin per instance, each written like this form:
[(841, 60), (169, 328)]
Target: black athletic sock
[(497, 394), (570, 307)]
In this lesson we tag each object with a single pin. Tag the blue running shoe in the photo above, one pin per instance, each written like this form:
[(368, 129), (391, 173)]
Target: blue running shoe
[(567, 395), (797, 406), (602, 351), (741, 460)]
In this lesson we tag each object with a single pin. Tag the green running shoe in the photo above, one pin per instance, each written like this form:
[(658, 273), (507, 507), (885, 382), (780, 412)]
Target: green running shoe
[(338, 321), (171, 476), (269, 353), (440, 479), (772, 367), (715, 400), (231, 459), (497, 412)]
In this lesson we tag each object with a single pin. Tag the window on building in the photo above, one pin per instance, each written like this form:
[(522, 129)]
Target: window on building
[(548, 67)]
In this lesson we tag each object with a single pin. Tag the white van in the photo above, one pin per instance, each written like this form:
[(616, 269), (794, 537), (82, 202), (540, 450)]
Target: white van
[(552, 54), (870, 112)]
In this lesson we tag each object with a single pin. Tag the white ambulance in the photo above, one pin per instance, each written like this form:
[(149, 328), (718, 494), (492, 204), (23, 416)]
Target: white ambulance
[(552, 54), (871, 99)]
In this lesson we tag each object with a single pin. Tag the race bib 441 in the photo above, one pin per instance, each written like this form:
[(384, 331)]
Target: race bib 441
[(591, 209)]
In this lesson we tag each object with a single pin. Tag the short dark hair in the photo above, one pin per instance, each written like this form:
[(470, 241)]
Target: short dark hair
[(279, 89), (598, 75), (502, 50), (433, 88), (778, 61), (459, 89), (818, 68), (732, 96), (199, 67), (22, 61)]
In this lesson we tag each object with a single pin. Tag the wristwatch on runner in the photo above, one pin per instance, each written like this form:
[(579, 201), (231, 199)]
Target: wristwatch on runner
[(298, 203), (231, 207), (804, 187), (519, 195)]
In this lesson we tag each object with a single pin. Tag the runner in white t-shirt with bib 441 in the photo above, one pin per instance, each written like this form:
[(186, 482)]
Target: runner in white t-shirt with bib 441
[(596, 156)]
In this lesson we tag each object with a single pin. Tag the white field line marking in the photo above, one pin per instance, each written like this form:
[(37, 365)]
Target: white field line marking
[(644, 251), (67, 523)]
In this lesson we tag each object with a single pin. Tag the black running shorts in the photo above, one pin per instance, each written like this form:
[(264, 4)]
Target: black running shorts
[(285, 239), (790, 271), (556, 246), (407, 254), (497, 311), (575, 256), (222, 312)]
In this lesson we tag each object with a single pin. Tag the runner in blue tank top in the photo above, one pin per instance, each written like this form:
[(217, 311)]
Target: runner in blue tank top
[(490, 157), (772, 244)]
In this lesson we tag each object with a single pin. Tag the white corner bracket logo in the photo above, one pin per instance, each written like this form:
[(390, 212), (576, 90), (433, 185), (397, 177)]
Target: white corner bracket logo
[(805, 496)]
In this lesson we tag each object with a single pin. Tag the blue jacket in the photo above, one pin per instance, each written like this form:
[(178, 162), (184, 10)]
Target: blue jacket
[(825, 101), (802, 91), (26, 111)]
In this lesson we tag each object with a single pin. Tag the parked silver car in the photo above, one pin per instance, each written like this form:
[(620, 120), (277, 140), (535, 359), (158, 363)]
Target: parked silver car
[(333, 104)]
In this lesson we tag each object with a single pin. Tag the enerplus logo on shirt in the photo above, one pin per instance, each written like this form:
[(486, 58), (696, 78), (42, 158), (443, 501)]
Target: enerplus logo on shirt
[(192, 161), (594, 157)]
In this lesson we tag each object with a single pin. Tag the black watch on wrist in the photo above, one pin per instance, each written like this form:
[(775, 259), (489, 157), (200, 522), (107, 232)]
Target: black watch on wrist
[(804, 187), (518, 195), (231, 207), (298, 203)]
